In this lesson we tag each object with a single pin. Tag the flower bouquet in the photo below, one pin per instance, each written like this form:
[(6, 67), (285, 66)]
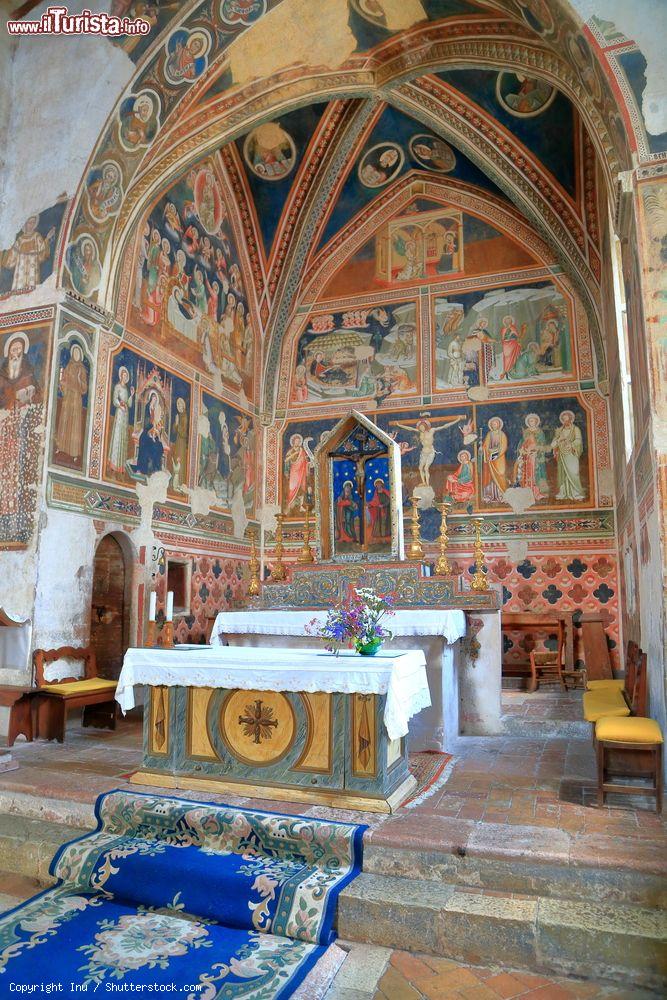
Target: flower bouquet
[(356, 622)]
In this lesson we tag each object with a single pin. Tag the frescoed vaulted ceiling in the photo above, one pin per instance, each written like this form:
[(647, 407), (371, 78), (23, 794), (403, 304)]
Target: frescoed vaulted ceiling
[(411, 106)]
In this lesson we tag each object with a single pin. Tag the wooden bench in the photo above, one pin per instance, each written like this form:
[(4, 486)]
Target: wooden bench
[(20, 702), (93, 694)]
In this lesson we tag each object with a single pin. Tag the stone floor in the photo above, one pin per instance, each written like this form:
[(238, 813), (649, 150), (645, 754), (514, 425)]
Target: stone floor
[(421, 977), (502, 796)]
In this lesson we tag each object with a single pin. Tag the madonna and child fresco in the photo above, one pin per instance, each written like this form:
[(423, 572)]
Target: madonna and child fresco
[(148, 427), (363, 353), (188, 290), (507, 335)]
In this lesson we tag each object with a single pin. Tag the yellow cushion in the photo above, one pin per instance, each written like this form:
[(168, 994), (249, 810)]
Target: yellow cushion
[(633, 730), (600, 704), (606, 685), (90, 685)]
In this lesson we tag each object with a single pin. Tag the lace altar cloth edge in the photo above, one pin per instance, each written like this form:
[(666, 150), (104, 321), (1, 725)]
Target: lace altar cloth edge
[(451, 624), (401, 675)]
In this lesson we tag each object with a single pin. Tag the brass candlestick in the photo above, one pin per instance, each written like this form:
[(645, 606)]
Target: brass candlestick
[(278, 571), (442, 565), (151, 635), (254, 586), (306, 553), (479, 581), (415, 548), (167, 635)]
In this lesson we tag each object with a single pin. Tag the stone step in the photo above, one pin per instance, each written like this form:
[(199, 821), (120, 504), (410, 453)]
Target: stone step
[(517, 873), (600, 941), (27, 846), (550, 729)]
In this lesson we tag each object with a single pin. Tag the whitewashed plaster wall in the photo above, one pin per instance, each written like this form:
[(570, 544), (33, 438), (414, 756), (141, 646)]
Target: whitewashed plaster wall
[(59, 91), (64, 579)]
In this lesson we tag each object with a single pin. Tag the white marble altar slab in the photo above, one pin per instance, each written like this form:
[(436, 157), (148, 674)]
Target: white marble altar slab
[(401, 675), (451, 625)]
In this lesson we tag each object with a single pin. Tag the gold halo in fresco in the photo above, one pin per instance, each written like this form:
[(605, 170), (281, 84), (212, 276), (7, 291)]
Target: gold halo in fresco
[(432, 153), (380, 164), (258, 727), (371, 10), (523, 96), (269, 152)]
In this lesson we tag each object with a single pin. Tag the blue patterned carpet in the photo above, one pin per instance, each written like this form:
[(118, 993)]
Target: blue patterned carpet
[(218, 901)]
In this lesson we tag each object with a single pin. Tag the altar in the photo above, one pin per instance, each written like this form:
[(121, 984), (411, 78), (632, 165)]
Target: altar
[(457, 630), (298, 725)]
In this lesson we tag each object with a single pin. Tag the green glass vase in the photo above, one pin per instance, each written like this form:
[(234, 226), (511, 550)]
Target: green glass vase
[(368, 648)]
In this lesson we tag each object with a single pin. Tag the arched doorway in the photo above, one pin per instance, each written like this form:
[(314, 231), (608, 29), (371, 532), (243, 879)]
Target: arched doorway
[(109, 612)]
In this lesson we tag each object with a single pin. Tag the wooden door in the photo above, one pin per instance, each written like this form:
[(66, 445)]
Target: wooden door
[(108, 614)]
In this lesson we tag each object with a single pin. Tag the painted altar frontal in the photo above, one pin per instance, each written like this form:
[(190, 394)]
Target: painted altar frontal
[(317, 728)]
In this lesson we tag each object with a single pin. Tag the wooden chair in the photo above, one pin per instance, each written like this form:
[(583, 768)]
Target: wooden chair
[(93, 694), (551, 624), (546, 668), (631, 747)]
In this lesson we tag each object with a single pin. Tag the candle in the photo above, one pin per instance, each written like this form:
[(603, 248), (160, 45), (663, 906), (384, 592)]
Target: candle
[(152, 606), (170, 606)]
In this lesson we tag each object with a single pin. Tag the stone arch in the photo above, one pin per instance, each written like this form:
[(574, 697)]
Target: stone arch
[(422, 50)]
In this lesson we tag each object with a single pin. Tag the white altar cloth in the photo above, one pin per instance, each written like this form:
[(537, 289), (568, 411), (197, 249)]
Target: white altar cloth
[(401, 675), (451, 625)]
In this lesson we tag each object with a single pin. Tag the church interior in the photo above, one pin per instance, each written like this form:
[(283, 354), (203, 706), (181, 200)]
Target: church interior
[(333, 498)]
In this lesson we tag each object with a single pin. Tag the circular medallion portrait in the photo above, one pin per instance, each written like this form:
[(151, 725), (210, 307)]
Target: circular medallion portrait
[(523, 96), (270, 152), (432, 153), (187, 55), (371, 10), (381, 164), (536, 13)]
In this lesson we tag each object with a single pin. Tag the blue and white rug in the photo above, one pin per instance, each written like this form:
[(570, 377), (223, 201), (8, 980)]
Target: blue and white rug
[(221, 902)]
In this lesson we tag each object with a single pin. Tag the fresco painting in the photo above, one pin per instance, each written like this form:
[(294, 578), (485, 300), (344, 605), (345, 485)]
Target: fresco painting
[(360, 354), (29, 260), (187, 286), (523, 96), (270, 152), (424, 245), (148, 428), (227, 452), (24, 365), (517, 334), (72, 405), (426, 242)]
